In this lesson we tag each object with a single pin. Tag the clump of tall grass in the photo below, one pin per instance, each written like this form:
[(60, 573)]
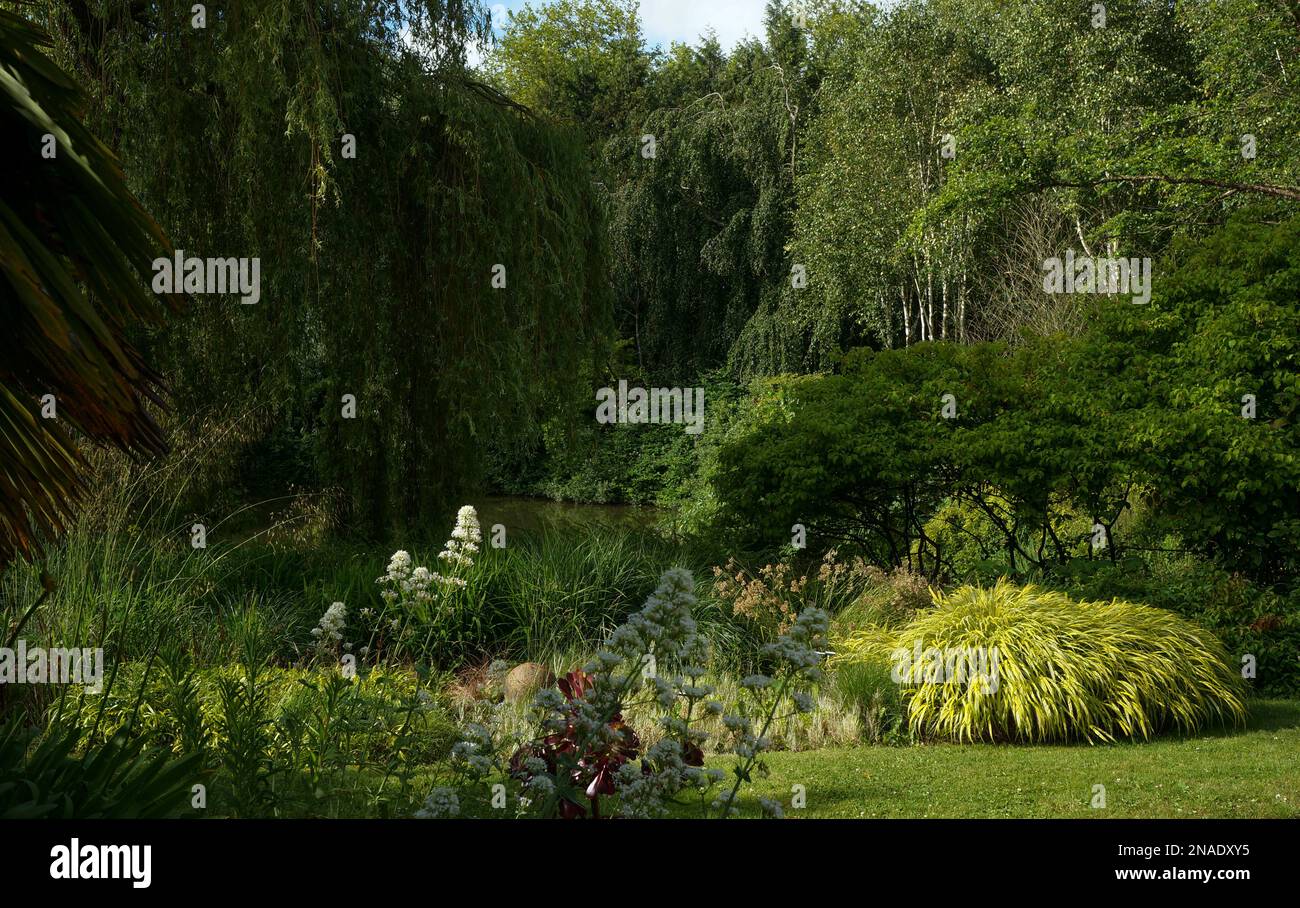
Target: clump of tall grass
[(277, 741), (552, 592), (1061, 670), (867, 693), (127, 577)]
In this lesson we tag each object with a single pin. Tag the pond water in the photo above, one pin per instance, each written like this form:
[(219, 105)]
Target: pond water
[(531, 514)]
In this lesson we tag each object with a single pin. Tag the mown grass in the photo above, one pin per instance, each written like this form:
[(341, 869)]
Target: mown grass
[(1251, 773)]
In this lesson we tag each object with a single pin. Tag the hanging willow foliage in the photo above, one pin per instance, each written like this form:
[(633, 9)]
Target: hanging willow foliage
[(377, 270), (698, 230)]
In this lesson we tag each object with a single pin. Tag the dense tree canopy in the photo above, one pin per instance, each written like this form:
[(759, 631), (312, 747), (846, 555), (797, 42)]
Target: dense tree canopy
[(448, 274), (466, 254)]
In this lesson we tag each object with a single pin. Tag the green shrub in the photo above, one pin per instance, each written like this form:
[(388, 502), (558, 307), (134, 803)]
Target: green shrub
[(941, 456), (1250, 619), (1052, 669)]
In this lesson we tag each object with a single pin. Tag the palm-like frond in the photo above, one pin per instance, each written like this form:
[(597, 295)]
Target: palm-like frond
[(74, 246)]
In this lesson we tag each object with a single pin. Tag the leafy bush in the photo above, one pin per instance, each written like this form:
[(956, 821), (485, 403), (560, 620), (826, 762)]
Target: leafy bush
[(52, 774), (1226, 339), (1037, 452), (1250, 619), (1017, 663), (580, 460)]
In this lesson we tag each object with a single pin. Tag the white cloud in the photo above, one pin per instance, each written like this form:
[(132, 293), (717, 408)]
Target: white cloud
[(475, 51), (685, 20), (665, 21)]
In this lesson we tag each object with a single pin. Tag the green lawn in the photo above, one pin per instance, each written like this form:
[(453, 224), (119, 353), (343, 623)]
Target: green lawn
[(1250, 773)]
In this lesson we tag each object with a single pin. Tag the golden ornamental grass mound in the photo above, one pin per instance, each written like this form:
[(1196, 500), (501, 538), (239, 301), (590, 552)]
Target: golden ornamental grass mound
[(1018, 663)]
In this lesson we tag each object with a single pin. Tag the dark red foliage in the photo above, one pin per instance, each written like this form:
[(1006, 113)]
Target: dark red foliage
[(594, 771), (692, 755)]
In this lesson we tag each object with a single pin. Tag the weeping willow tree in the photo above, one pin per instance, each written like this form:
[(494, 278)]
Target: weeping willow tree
[(430, 252), (698, 229)]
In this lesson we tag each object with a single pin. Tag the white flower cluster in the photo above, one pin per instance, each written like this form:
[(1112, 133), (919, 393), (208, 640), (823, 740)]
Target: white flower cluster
[(644, 795), (331, 623), (540, 785), (405, 581), (465, 537), (399, 573), (441, 803), (799, 647), (797, 653), (474, 753), (664, 626)]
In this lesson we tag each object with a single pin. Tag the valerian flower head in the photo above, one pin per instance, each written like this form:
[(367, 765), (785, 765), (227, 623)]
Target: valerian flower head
[(465, 538), (664, 625), (474, 752), (331, 623), (441, 803), (540, 784), (398, 566), (665, 693), (548, 700), (798, 647), (736, 723), (674, 725), (732, 810), (663, 773)]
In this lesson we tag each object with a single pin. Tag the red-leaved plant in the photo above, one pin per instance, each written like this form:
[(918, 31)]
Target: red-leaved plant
[(592, 771)]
